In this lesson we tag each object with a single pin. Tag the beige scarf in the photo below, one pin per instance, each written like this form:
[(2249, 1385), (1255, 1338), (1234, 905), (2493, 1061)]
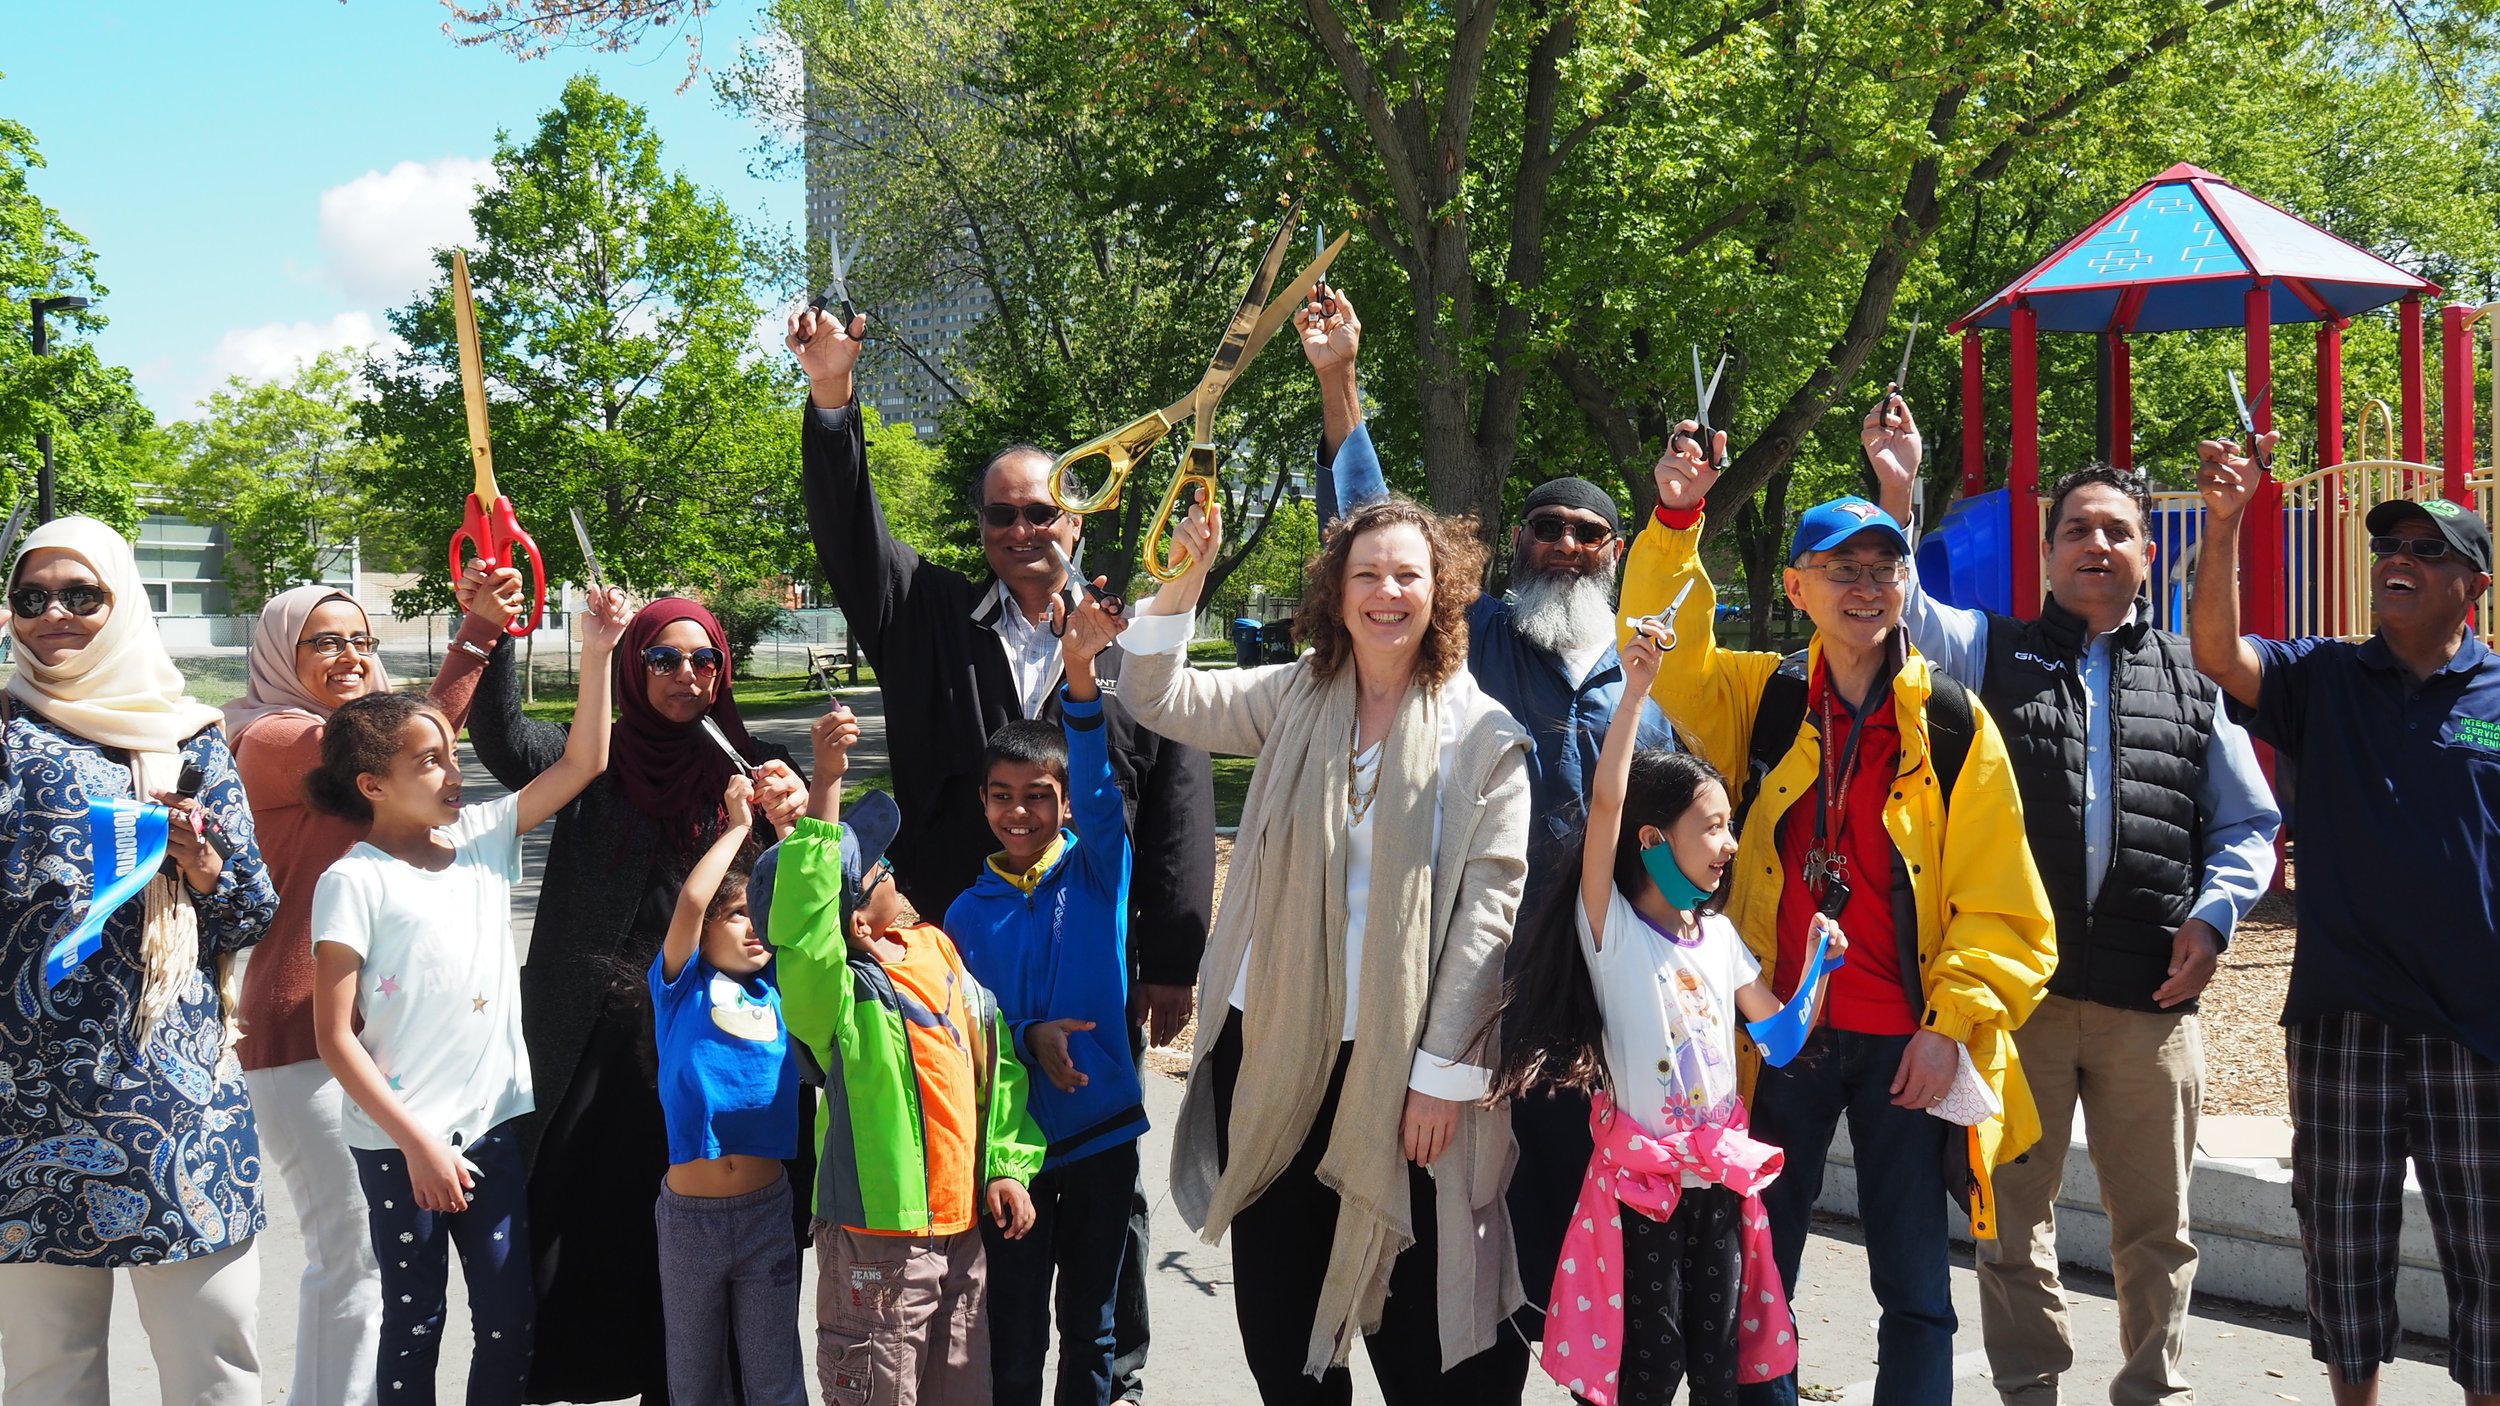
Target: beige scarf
[(122, 690), (1297, 965)]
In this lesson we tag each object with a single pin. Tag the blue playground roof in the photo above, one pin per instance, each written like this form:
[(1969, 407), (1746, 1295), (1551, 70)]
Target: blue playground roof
[(2182, 252)]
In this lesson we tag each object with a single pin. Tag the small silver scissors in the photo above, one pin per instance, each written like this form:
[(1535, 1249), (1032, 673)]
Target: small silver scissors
[(1704, 392), (1665, 619), (2248, 418)]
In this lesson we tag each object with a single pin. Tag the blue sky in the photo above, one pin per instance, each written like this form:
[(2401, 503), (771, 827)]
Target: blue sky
[(261, 180)]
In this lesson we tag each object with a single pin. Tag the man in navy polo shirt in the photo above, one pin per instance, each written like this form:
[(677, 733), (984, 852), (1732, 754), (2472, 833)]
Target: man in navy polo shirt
[(2394, 1009)]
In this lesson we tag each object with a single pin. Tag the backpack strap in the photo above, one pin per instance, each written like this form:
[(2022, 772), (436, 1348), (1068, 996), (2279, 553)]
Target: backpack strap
[(1951, 725), (1775, 724)]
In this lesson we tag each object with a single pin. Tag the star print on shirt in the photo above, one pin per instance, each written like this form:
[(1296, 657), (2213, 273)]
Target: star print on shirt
[(389, 986), (477, 1005)]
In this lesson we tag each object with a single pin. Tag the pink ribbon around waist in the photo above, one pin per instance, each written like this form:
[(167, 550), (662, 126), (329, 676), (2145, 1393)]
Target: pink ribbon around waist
[(1631, 1169)]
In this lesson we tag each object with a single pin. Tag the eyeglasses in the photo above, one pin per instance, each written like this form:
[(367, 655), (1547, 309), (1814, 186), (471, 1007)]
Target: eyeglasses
[(1004, 515), (876, 876), (81, 600), (2419, 548), (330, 646), (665, 659), (1550, 528), (1850, 573)]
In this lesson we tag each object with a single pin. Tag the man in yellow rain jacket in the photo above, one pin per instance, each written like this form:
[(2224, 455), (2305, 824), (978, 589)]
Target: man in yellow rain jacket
[(1888, 803)]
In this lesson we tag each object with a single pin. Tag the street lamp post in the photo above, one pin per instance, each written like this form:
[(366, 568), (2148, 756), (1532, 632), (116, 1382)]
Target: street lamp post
[(43, 438)]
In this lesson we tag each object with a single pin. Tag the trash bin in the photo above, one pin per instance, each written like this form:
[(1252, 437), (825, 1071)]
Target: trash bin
[(1245, 641), (1276, 641)]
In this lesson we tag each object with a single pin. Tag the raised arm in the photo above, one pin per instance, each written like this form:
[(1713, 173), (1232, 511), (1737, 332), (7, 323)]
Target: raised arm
[(1225, 711), (586, 747), (1955, 638), (1604, 826), (513, 746), (489, 598), (2228, 478), (1094, 799), (694, 898), (1709, 692)]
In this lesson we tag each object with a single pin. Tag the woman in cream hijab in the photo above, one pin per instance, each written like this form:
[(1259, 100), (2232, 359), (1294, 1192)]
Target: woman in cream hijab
[(312, 653), (126, 1137)]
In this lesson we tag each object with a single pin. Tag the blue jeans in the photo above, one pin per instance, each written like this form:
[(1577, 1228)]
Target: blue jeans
[(1901, 1203), (1080, 1229), (414, 1247)]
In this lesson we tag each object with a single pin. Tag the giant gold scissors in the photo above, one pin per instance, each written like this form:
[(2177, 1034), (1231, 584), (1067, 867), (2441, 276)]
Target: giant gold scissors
[(1253, 323)]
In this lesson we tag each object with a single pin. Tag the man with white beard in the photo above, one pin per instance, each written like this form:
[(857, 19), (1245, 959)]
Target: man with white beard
[(1546, 653)]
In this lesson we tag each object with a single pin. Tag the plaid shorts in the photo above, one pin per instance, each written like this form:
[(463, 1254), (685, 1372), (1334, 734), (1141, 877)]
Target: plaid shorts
[(2364, 1095)]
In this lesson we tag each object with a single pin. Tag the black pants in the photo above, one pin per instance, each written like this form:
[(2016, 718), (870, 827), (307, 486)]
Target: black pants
[(1080, 1232), (1128, 1310), (1683, 1281), (1552, 1128), (1280, 1261), (594, 1245)]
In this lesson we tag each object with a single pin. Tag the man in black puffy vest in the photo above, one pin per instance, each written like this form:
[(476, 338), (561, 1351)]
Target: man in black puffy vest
[(2154, 832)]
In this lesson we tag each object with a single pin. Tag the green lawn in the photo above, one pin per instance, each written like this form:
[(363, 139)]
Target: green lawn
[(1232, 782)]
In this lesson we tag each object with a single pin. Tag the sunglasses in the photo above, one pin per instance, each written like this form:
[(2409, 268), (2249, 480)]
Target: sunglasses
[(1550, 528), (1850, 573), (330, 646), (876, 876), (665, 659), (1004, 515), (2418, 548), (81, 600)]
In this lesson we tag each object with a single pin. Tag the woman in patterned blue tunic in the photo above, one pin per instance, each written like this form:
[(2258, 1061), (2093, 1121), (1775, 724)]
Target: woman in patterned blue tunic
[(126, 1137)]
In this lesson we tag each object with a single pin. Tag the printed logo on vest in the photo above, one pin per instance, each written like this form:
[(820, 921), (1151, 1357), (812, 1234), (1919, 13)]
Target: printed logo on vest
[(2483, 733), (2052, 665)]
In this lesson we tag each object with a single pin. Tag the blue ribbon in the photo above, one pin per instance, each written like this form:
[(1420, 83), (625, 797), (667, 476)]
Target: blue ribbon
[(129, 842), (1783, 1033)]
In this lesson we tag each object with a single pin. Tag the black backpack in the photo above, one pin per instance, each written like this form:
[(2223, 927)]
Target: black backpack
[(1950, 727)]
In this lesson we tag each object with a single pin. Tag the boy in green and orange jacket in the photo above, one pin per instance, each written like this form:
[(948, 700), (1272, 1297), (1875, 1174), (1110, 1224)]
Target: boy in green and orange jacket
[(925, 1120)]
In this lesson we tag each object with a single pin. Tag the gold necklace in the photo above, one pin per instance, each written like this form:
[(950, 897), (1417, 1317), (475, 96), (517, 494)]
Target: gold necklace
[(1359, 797)]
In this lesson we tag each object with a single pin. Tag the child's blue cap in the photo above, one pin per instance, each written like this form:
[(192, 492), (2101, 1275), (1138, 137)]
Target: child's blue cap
[(1827, 525), (868, 827)]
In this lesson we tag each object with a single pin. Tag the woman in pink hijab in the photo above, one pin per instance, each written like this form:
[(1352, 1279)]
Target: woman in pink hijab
[(314, 650)]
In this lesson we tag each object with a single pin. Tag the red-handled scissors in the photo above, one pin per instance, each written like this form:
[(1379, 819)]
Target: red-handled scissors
[(487, 523)]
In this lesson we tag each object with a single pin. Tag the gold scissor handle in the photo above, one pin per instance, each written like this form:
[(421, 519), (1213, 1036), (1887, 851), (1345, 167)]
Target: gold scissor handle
[(1197, 468), (1122, 449)]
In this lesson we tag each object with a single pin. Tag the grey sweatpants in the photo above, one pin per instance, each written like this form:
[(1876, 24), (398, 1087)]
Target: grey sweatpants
[(729, 1269)]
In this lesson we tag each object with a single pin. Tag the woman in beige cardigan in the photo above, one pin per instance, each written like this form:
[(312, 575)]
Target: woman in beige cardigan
[(1360, 944)]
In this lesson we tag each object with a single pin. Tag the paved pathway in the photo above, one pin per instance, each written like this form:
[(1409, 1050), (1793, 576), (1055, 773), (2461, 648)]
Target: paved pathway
[(2233, 1355)]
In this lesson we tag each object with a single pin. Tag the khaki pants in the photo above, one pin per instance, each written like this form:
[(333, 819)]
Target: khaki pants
[(899, 1319), (199, 1313), (2141, 1076)]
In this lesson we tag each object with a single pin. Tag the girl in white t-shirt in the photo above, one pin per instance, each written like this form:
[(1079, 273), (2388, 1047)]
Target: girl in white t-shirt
[(417, 1010), (1640, 1011)]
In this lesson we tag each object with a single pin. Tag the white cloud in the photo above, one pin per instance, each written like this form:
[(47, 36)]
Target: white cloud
[(275, 350), (380, 230)]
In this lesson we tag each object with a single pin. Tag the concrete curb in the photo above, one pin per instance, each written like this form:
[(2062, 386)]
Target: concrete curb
[(2246, 1233)]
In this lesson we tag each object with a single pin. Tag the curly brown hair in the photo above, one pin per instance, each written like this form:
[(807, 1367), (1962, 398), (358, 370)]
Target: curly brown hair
[(1457, 569)]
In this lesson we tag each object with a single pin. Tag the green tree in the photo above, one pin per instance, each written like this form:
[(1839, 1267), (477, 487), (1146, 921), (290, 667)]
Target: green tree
[(103, 438), (616, 323), (280, 466)]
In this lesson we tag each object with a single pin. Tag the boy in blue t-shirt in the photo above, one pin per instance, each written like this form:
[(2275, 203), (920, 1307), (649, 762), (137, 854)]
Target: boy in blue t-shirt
[(1045, 928), (729, 1090)]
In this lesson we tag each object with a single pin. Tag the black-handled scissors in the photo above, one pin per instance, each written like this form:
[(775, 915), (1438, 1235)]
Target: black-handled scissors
[(1111, 604), (1704, 392), (2248, 418)]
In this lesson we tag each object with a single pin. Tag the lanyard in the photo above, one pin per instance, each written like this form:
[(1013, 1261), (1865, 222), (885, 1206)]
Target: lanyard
[(1832, 792)]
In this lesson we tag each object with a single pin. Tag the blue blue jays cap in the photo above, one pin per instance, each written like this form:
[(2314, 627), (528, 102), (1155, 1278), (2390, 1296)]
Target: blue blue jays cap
[(1827, 525), (869, 825)]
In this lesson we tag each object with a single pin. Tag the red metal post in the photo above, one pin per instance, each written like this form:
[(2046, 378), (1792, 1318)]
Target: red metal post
[(2330, 454), (2456, 402), (2023, 479), (2409, 362), (2121, 402), (2262, 580), (1974, 418)]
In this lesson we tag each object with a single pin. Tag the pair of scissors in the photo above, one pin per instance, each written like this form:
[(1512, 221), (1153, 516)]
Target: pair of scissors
[(2248, 418), (1111, 604), (1252, 324), (837, 290), (1901, 373), (1665, 619), (487, 523), (1704, 392), (17, 525)]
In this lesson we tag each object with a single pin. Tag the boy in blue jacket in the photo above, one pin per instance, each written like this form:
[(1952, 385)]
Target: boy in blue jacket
[(1045, 928)]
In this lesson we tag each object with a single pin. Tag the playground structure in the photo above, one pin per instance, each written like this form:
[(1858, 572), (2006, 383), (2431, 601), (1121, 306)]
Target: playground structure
[(2190, 250)]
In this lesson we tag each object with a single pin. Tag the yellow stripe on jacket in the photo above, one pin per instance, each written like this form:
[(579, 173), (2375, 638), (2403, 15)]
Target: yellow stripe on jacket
[(1986, 942)]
